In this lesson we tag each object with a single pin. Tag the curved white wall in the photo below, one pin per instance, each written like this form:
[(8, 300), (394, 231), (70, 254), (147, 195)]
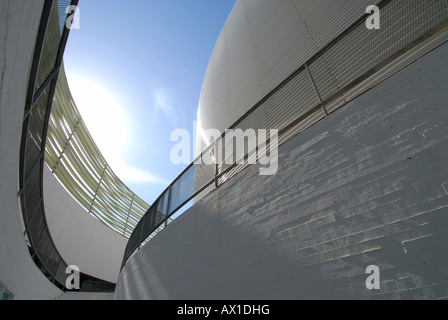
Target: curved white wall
[(81, 239), (262, 42), (365, 186), (19, 22)]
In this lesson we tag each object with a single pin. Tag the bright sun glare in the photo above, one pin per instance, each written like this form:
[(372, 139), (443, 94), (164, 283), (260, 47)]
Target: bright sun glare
[(108, 124), (103, 115)]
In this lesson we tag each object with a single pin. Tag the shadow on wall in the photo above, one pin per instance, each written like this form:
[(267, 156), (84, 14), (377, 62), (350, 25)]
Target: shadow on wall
[(362, 187)]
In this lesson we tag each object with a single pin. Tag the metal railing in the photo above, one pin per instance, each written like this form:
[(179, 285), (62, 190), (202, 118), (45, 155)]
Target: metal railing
[(50, 45), (46, 66), (303, 98)]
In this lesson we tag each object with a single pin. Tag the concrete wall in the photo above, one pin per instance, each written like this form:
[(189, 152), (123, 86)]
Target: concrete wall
[(86, 296), (365, 186), (19, 22), (81, 239)]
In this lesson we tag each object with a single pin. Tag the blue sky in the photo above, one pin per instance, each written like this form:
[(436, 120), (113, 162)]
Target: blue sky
[(139, 65)]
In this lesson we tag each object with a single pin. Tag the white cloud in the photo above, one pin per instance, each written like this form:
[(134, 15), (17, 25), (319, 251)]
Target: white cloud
[(163, 101)]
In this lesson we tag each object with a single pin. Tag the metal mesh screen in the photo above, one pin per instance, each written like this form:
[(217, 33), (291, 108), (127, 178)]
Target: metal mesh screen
[(76, 161), (288, 102), (361, 49), (204, 173), (52, 41), (182, 189), (37, 117)]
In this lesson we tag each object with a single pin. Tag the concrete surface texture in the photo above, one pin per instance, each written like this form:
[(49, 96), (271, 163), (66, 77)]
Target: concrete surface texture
[(365, 186), (86, 296), (19, 22)]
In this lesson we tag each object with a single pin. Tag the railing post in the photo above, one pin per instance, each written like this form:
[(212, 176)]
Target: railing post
[(216, 175), (168, 203), (66, 145), (218, 158), (315, 89), (129, 213), (98, 188)]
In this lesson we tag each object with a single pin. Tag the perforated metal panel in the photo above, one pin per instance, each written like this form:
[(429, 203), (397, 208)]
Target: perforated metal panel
[(402, 22), (52, 41), (262, 43)]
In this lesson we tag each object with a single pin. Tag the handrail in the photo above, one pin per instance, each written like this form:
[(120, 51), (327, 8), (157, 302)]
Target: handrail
[(312, 77), (46, 65), (32, 147)]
